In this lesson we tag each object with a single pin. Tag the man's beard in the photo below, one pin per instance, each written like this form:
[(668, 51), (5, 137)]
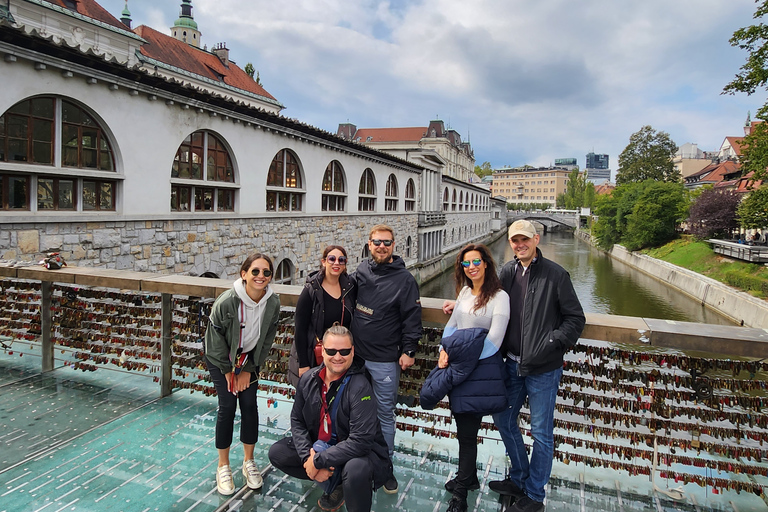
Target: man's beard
[(378, 259)]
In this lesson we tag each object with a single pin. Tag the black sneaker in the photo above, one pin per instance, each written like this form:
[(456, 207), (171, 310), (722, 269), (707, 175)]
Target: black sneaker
[(526, 504), (332, 502), (390, 486), (506, 488), (457, 505), (450, 485)]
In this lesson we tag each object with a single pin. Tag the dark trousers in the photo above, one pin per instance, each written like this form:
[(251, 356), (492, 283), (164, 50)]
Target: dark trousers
[(225, 414), (467, 426), (356, 474)]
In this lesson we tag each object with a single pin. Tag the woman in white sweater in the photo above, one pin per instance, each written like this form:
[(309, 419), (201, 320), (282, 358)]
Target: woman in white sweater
[(480, 303)]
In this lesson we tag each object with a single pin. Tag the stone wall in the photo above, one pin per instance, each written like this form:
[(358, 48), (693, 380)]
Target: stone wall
[(194, 246)]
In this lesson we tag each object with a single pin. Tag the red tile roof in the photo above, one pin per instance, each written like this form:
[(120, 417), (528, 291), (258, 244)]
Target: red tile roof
[(412, 134), (714, 173), (173, 52), (604, 188), (735, 143), (93, 10)]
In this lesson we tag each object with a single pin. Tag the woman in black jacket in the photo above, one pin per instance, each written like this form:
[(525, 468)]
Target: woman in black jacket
[(328, 296)]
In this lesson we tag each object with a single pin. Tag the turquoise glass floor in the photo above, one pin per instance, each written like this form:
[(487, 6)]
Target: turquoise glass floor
[(104, 441)]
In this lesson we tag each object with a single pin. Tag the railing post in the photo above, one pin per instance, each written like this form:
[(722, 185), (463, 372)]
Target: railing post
[(46, 325), (166, 327)]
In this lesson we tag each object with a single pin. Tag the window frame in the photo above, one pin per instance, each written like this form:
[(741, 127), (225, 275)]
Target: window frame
[(366, 201), (289, 195), (333, 200), (390, 194)]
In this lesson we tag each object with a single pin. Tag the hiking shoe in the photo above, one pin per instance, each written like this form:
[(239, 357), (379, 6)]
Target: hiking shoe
[(252, 474), (457, 504), (506, 487), (526, 504), (450, 485), (224, 482), (390, 486), (333, 501)]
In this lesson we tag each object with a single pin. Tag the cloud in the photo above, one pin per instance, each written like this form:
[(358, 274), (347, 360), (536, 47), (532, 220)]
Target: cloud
[(529, 81)]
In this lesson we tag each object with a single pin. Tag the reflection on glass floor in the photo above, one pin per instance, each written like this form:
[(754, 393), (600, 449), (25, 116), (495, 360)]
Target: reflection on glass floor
[(74, 441)]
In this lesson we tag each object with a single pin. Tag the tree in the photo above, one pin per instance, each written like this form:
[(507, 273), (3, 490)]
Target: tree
[(655, 215), (249, 70), (753, 210), (484, 170), (574, 190), (648, 156), (754, 73), (713, 214), (754, 152)]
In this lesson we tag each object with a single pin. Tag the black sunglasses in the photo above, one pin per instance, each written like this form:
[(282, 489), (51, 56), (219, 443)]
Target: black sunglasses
[(378, 242), (332, 259), (343, 351), (255, 272)]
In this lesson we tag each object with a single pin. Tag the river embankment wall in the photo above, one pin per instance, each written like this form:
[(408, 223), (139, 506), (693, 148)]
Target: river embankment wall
[(738, 306)]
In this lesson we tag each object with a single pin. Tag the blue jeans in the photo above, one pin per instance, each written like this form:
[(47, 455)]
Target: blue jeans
[(541, 391), (386, 380)]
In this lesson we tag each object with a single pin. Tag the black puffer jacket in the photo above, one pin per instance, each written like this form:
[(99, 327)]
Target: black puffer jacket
[(387, 318), (552, 315), (357, 426), (310, 319)]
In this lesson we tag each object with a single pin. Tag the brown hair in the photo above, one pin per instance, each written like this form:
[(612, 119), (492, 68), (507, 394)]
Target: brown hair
[(325, 255), (253, 257), (381, 227), (491, 283)]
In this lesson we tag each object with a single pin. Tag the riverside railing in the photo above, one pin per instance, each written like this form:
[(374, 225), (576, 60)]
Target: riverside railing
[(635, 396)]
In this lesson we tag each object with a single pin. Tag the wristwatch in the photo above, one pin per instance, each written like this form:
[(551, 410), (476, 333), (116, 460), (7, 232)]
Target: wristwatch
[(410, 353)]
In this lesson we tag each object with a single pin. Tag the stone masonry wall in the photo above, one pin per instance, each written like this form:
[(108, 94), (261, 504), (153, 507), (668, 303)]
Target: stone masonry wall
[(194, 246)]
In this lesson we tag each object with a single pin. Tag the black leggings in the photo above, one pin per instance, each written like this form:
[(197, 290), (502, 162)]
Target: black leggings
[(225, 414), (467, 426)]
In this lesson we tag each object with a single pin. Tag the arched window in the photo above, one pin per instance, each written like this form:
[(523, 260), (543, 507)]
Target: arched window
[(453, 203), (390, 194), (334, 198), (446, 200), (367, 192), (410, 196), (461, 200), (408, 247), (202, 176), (283, 272), (284, 184), (78, 178), (366, 252)]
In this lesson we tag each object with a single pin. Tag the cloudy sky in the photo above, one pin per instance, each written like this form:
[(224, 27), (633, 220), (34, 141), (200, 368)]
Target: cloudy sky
[(525, 81)]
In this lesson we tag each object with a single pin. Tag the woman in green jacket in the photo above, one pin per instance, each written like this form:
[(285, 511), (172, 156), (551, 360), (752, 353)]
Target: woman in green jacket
[(242, 327)]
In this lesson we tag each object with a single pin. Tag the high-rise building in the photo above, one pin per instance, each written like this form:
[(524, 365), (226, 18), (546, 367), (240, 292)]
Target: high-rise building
[(597, 161), (597, 170)]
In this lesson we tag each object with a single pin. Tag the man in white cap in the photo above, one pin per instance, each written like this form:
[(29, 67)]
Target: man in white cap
[(546, 320)]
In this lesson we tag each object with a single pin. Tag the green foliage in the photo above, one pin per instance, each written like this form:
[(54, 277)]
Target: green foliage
[(753, 210), (527, 207), (754, 152), (638, 215), (249, 70), (648, 156), (484, 170), (754, 73)]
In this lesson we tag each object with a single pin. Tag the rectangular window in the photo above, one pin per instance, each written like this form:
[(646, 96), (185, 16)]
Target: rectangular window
[(45, 194), (390, 205), (366, 204), (271, 201), (180, 199), (225, 200), (410, 206), (14, 192), (203, 199)]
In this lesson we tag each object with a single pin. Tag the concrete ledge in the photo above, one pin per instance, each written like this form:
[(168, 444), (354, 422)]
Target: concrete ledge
[(740, 307)]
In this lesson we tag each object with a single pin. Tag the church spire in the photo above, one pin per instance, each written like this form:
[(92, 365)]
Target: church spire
[(185, 28), (125, 16)]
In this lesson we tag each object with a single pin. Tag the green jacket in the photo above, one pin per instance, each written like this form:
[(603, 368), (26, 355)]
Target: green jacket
[(223, 334)]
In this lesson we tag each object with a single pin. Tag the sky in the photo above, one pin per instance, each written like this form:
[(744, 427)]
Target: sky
[(526, 82)]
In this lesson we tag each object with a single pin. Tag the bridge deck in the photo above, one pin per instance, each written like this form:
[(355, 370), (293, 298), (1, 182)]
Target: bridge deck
[(104, 441)]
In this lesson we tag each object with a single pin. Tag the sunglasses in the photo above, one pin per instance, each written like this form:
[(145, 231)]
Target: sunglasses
[(378, 242), (343, 351), (332, 259), (255, 272), (476, 262)]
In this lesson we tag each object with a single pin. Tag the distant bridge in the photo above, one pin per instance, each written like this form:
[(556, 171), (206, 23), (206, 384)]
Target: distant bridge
[(550, 221)]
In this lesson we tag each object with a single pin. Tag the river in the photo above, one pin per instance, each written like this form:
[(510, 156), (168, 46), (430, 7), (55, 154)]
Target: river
[(603, 284)]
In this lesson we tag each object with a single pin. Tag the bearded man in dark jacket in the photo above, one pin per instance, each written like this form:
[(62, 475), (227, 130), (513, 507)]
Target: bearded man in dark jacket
[(386, 325), (335, 435), (546, 320)]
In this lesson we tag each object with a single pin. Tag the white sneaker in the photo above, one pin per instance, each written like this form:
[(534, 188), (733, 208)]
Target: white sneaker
[(224, 482), (252, 474)]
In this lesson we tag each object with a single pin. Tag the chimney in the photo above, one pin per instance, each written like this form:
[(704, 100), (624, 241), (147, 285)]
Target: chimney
[(222, 52)]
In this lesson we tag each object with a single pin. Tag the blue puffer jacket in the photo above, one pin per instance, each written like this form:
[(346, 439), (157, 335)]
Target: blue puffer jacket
[(472, 386)]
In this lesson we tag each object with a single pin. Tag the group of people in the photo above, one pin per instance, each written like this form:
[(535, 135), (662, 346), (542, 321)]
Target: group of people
[(354, 334)]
